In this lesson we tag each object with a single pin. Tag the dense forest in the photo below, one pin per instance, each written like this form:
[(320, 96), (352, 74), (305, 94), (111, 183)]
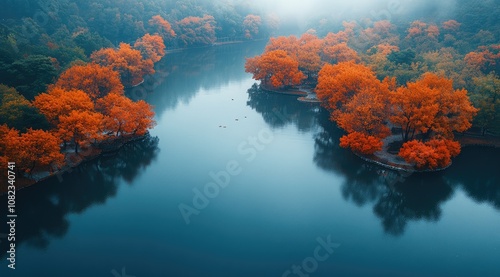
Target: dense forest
[(65, 66), (425, 80)]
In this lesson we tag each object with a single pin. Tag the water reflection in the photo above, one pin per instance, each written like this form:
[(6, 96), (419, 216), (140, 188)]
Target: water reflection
[(397, 197), (280, 110), (476, 170), (181, 75), (45, 206)]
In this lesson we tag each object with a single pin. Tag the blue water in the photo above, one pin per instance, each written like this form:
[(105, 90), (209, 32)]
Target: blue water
[(287, 197)]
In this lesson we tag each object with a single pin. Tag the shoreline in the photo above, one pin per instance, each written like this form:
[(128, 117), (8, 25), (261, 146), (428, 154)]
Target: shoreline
[(404, 168), (94, 153), (180, 49), (465, 140)]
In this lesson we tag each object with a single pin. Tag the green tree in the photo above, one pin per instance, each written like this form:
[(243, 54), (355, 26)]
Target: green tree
[(19, 113)]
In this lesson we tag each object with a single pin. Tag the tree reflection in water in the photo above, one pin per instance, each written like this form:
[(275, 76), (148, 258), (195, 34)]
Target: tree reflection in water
[(476, 170), (397, 197), (45, 206), (280, 110)]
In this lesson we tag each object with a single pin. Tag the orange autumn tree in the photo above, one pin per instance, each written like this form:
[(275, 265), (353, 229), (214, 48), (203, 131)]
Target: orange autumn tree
[(288, 44), (335, 48), (366, 112), (122, 116), (33, 148), (417, 28), (486, 59), (339, 53), (40, 148), (251, 25), (80, 127), (126, 61), (358, 102), (308, 54), (58, 102), (95, 80), (382, 32), (451, 25), (9, 137), (337, 84), (197, 30), (151, 47), (361, 143), (275, 68), (430, 155), (431, 106), (163, 27)]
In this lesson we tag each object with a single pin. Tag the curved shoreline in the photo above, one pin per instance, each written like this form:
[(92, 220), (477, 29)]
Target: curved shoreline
[(401, 167), (397, 167), (478, 141), (284, 92)]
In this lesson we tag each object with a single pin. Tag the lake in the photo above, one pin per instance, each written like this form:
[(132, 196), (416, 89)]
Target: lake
[(236, 182)]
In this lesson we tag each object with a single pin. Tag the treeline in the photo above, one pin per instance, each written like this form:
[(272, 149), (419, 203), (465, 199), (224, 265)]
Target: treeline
[(372, 79), (84, 108), (41, 38)]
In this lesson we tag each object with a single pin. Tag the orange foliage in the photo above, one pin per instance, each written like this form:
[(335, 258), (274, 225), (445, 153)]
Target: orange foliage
[(486, 58), (251, 24), (97, 81), (476, 60), (365, 113), (340, 53), (163, 26), (151, 47), (80, 127), (416, 28), (349, 27), (9, 139), (308, 53), (33, 148), (451, 25), (361, 143), (335, 38), (383, 27), (58, 102), (125, 60), (276, 68), (431, 105), (197, 30), (382, 32), (289, 44), (123, 116), (386, 49), (433, 31), (430, 155), (337, 84)]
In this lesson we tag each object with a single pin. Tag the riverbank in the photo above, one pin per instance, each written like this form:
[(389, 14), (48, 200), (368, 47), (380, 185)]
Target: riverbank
[(180, 49), (391, 161), (305, 94), (73, 160)]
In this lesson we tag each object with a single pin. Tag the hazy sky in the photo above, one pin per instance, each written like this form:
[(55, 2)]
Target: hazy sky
[(378, 9)]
